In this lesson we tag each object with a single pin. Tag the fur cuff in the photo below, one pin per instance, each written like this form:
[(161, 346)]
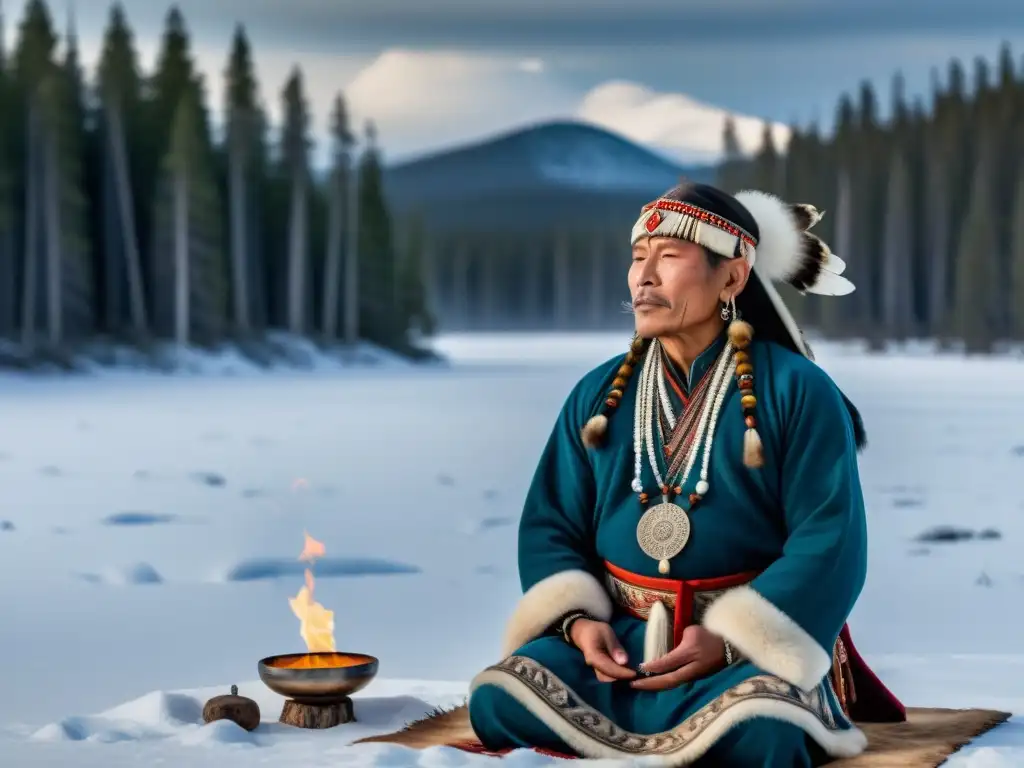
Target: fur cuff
[(551, 598), (768, 638)]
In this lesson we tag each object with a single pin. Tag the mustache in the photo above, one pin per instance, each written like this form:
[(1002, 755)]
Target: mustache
[(629, 307), (650, 298)]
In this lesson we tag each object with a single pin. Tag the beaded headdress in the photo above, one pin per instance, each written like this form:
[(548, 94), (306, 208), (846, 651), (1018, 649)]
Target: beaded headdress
[(774, 236)]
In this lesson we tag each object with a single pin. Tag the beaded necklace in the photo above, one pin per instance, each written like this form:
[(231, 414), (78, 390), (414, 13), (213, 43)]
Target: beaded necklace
[(664, 529)]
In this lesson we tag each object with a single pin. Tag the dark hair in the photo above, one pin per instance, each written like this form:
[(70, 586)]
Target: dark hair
[(715, 260)]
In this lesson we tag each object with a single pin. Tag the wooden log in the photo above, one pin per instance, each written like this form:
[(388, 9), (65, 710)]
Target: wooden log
[(317, 715), (238, 709)]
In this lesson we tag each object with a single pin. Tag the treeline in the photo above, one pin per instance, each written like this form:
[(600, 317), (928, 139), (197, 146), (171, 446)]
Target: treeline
[(925, 206), (123, 215)]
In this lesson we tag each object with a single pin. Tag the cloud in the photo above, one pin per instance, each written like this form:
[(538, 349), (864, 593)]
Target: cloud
[(686, 128), (426, 99)]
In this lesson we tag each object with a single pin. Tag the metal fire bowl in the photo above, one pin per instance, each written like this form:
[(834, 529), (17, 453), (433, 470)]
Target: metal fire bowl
[(322, 685)]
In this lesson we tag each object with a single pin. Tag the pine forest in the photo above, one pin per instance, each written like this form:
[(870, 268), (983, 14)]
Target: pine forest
[(926, 207), (123, 218), (126, 217)]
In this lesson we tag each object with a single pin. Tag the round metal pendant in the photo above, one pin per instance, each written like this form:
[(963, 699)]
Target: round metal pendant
[(663, 531)]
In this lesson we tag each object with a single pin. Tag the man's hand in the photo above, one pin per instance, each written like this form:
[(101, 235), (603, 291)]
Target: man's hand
[(601, 650), (698, 655)]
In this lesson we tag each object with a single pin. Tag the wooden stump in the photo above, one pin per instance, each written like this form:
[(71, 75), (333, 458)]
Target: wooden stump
[(238, 709), (317, 715)]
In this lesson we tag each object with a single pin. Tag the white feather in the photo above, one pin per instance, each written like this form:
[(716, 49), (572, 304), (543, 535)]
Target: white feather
[(778, 246), (834, 264), (830, 284)]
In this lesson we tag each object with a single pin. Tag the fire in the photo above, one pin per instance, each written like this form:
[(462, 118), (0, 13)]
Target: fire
[(312, 549), (317, 661), (316, 622)]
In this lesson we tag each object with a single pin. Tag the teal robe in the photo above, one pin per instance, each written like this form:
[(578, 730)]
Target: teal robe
[(798, 522)]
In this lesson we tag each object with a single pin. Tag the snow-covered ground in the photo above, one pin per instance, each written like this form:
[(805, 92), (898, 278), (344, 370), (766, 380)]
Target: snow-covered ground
[(149, 530)]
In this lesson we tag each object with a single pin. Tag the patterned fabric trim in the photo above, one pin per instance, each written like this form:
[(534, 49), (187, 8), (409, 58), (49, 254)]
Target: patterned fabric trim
[(638, 600), (565, 703)]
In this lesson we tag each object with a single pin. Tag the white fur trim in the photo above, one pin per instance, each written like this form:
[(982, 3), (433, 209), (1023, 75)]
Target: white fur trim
[(658, 635), (778, 243), (768, 638), (551, 598), (847, 743)]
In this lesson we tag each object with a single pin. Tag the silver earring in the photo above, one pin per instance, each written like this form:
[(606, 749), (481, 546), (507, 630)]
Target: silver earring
[(732, 308), (725, 312)]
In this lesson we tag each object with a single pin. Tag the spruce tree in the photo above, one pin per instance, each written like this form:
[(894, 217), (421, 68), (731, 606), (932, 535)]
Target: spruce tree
[(244, 145), (295, 148), (339, 215), (34, 63), (897, 257), (1017, 261), (732, 166), (767, 165), (936, 234), (37, 43), (121, 187), (414, 309), (66, 274), (9, 273), (977, 278), (844, 238), (175, 77), (378, 320), (190, 290)]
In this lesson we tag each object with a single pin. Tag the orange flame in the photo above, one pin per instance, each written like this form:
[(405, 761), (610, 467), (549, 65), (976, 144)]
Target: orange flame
[(316, 623), (312, 549)]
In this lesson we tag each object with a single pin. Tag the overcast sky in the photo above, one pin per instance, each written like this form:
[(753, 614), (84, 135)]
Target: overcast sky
[(433, 72)]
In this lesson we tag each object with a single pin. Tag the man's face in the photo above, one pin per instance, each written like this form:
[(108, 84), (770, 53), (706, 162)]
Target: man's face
[(674, 287)]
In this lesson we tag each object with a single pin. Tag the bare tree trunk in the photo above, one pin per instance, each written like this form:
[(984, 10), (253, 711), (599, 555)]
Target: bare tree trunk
[(181, 258), (489, 287), (844, 244), (534, 255), (28, 319), (562, 282), (332, 261), (136, 292), (937, 255), (297, 257), (598, 269), (352, 261), (239, 231), (8, 282), (460, 284), (429, 263), (51, 189), (896, 248)]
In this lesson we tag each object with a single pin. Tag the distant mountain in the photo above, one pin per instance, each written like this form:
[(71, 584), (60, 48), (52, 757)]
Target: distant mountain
[(567, 173)]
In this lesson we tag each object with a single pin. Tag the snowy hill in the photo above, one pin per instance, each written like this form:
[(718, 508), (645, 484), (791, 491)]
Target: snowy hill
[(559, 171)]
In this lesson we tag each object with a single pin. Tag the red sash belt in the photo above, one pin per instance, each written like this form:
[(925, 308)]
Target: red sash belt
[(689, 599)]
